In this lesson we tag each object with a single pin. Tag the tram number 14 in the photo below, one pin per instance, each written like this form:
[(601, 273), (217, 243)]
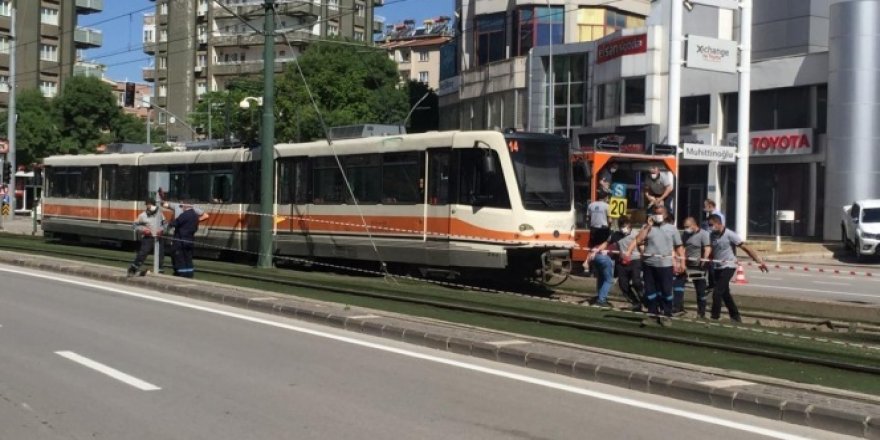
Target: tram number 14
[(618, 207)]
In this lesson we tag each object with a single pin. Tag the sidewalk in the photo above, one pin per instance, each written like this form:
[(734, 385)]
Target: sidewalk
[(824, 408)]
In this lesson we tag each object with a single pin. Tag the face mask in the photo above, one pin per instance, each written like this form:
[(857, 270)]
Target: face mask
[(658, 218), (613, 169), (152, 209), (655, 175), (626, 230)]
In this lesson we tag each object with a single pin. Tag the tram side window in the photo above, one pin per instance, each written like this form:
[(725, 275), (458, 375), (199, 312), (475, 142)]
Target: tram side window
[(249, 187), (108, 175), (125, 186), (293, 183), (364, 175), (479, 186), (221, 185), (177, 186), (327, 181), (89, 185), (439, 176), (401, 178)]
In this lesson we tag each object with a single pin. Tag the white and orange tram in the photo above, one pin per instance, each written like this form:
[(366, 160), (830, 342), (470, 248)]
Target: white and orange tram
[(455, 201)]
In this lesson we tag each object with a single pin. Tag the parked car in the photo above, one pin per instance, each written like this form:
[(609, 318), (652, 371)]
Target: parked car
[(860, 227)]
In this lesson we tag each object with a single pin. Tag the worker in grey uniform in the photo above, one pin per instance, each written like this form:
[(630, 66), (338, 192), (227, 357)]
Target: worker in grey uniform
[(724, 244), (150, 226), (697, 249), (628, 269), (662, 245), (658, 189)]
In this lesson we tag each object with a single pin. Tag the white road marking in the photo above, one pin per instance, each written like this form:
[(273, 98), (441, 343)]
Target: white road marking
[(265, 298), (800, 289), (364, 317), (833, 283), (691, 415), (109, 371), (507, 343), (726, 383), (763, 278)]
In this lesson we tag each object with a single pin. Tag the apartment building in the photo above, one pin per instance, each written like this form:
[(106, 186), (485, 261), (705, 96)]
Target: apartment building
[(416, 50), (46, 43), (200, 45), (495, 41)]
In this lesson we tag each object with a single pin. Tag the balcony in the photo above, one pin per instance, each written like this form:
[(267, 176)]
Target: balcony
[(247, 67), (89, 6), (89, 69), (150, 47), (149, 74), (86, 38)]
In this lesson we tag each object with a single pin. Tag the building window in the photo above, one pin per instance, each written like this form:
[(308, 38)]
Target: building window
[(6, 8), (48, 88), (202, 60), (424, 56), (569, 91), (596, 22), (163, 62), (634, 96), (775, 109), (4, 84), (49, 16), (333, 5), (423, 77), (163, 9), (163, 35), (405, 74), (490, 38), (332, 29), (539, 26), (404, 55), (608, 100), (149, 36), (48, 52), (201, 88), (360, 8), (695, 110), (163, 91), (358, 35), (4, 44)]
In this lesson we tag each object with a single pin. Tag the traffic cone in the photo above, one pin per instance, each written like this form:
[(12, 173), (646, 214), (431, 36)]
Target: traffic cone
[(740, 275)]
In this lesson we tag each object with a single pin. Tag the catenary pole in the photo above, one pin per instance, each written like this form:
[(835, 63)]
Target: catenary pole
[(742, 135), (267, 140), (13, 116), (673, 120)]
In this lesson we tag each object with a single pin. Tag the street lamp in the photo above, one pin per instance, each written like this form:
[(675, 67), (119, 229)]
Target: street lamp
[(246, 102), (172, 119)]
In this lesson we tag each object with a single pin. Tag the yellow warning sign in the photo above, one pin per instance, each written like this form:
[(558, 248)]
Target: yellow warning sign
[(618, 207)]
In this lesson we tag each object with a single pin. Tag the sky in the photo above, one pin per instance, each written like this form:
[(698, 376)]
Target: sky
[(122, 24)]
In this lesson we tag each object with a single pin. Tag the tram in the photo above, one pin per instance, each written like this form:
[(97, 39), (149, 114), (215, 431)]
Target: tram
[(462, 202)]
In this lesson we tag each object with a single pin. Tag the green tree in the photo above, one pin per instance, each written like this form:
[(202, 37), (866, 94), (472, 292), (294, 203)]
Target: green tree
[(352, 84), (425, 107), (37, 133), (86, 109), (243, 123)]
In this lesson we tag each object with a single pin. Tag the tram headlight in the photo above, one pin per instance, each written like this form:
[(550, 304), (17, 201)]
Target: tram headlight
[(526, 230)]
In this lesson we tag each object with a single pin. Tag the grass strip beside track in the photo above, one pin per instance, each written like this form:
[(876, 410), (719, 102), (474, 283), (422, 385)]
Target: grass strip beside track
[(626, 327)]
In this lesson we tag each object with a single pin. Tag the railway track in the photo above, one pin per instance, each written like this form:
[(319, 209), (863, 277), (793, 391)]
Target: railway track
[(853, 352)]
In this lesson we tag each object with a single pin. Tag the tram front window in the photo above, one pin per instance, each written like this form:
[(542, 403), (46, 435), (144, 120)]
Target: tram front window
[(543, 173)]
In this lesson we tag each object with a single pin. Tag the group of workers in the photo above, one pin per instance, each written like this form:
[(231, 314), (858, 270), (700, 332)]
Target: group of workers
[(654, 265), (151, 226)]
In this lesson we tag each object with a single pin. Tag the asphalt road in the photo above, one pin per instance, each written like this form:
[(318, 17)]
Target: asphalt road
[(81, 359), (802, 284)]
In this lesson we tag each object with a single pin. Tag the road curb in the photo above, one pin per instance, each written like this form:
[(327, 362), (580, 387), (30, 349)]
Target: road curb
[(432, 335)]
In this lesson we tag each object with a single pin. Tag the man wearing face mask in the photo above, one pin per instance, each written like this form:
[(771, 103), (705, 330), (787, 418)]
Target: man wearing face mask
[(150, 225), (629, 269), (724, 244), (605, 179), (662, 244), (658, 189), (698, 249)]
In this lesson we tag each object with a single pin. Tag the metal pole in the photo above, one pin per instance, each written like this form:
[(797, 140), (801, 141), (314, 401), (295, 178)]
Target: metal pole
[(157, 260), (226, 139), (743, 137), (267, 140), (210, 131), (551, 108), (673, 114), (13, 117), (149, 124)]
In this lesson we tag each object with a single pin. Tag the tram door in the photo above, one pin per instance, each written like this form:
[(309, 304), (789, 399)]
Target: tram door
[(437, 204)]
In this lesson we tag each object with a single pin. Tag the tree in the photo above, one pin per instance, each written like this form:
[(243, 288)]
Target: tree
[(129, 128), (425, 114), (244, 124), (37, 134), (351, 83), (86, 109)]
